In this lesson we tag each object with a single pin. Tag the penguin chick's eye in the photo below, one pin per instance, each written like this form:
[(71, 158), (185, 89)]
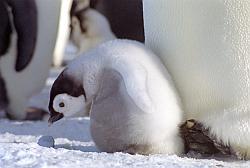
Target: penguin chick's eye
[(61, 104)]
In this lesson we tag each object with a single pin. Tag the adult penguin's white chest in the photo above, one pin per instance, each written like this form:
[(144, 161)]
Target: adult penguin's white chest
[(205, 46)]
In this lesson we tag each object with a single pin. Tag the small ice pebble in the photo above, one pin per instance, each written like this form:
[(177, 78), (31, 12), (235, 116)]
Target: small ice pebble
[(46, 141)]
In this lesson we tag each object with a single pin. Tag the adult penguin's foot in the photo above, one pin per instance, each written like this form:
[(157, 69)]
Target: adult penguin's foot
[(197, 138), (35, 114)]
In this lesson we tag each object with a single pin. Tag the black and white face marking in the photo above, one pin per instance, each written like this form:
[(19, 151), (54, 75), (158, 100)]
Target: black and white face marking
[(68, 105), (67, 97)]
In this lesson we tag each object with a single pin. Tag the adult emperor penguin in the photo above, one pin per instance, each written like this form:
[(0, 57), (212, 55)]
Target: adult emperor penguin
[(133, 105), (32, 40), (205, 46), (124, 16)]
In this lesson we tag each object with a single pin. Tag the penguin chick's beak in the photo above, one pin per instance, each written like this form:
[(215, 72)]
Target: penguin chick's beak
[(55, 116)]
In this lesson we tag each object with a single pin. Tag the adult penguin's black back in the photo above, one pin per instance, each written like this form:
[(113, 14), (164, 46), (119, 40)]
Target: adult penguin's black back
[(125, 17), (5, 33), (5, 29), (24, 14)]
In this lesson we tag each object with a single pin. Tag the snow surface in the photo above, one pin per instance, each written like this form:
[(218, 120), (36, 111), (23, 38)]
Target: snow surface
[(74, 147)]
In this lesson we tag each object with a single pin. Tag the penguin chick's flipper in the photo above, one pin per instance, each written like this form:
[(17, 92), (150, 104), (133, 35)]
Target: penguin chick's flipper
[(25, 22), (5, 28), (138, 90)]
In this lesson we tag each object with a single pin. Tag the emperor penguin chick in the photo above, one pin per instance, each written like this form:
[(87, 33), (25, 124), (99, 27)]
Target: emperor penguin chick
[(89, 28), (133, 104)]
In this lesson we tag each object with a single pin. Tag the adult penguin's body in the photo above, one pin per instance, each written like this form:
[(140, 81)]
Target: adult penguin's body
[(125, 17), (27, 49), (205, 46)]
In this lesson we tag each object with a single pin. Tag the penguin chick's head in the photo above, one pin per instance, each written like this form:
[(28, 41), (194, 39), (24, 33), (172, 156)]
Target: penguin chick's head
[(67, 97)]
